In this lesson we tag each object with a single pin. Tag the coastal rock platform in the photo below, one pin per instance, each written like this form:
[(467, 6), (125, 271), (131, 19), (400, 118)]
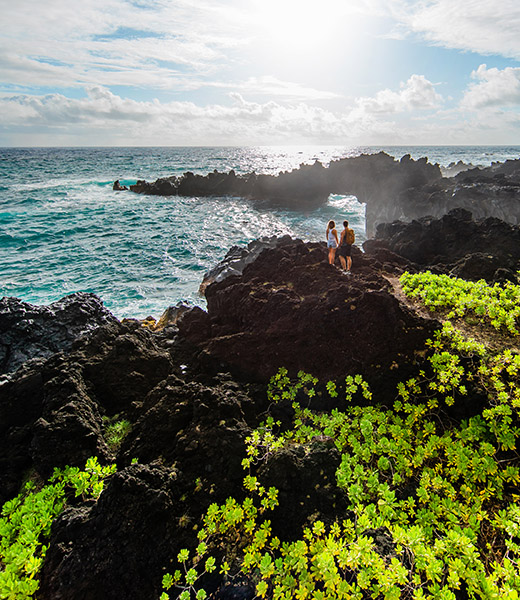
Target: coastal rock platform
[(291, 308)]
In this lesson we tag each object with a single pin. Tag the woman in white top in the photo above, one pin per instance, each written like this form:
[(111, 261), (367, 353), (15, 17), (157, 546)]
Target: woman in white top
[(332, 241)]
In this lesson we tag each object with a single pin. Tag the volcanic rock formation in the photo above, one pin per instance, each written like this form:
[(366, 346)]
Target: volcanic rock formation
[(193, 392), (291, 308), (28, 331), (392, 189), (455, 244)]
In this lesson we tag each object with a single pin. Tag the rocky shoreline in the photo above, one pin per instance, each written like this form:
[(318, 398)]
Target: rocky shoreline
[(404, 189), (193, 387)]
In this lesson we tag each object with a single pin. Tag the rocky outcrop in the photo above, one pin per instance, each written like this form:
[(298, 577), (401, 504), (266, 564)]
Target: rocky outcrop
[(238, 257), (376, 179), (117, 187), (456, 244), (305, 186), (404, 189), (114, 548), (194, 388), (291, 308), (51, 412), (198, 428), (29, 331), (293, 472), (492, 192)]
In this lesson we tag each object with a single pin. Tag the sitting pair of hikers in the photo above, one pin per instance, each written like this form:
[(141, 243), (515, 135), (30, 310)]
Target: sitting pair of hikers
[(343, 245)]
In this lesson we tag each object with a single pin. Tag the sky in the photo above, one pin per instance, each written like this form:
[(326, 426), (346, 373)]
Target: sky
[(259, 72)]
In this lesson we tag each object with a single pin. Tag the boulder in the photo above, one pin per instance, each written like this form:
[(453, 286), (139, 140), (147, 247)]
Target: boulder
[(305, 477), (191, 439), (119, 546), (51, 412), (200, 429), (122, 364), (28, 331)]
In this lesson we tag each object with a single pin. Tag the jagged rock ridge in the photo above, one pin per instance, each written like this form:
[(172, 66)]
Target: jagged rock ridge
[(392, 189)]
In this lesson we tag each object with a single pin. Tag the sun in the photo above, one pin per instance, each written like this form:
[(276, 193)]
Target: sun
[(296, 26), (300, 21)]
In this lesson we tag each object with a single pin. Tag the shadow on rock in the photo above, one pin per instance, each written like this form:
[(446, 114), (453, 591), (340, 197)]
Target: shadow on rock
[(51, 412), (118, 546), (455, 244), (199, 430), (306, 481)]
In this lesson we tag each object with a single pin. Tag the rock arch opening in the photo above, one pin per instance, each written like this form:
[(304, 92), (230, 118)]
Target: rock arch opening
[(347, 207)]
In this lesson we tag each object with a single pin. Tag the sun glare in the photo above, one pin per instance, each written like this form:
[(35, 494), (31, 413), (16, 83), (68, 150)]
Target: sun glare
[(304, 28)]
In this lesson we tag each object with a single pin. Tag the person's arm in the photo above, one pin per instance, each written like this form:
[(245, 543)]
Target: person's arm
[(335, 234), (342, 236)]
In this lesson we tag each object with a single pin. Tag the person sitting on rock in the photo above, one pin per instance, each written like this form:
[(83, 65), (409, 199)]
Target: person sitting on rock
[(332, 241), (345, 247)]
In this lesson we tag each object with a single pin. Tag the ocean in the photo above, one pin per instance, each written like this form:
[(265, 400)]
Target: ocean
[(63, 229)]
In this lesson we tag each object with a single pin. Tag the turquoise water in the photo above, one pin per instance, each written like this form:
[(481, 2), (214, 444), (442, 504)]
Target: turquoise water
[(63, 229)]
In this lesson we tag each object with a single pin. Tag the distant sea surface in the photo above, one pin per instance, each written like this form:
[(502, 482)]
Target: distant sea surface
[(63, 229)]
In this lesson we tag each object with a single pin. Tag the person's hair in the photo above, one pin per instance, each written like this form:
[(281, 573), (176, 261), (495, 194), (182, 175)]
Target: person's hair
[(331, 225), (345, 223)]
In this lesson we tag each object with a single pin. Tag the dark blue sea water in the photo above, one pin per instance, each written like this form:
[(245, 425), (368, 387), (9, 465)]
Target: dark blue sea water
[(63, 229)]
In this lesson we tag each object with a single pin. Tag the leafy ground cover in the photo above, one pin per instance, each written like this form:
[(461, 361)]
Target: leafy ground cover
[(26, 520), (441, 489), (444, 491)]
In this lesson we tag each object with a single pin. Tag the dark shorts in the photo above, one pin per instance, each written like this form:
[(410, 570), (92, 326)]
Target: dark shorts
[(344, 250)]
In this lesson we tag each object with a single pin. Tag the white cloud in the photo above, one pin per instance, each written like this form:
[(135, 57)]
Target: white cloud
[(478, 26), (271, 86), (162, 45), (154, 47), (494, 88), (416, 94), (61, 43), (104, 118)]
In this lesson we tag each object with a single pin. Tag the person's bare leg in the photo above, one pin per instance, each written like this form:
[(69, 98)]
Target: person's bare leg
[(343, 263), (349, 263)]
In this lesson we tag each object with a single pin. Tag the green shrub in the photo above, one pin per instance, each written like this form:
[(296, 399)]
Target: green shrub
[(26, 522), (115, 432), (497, 305)]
